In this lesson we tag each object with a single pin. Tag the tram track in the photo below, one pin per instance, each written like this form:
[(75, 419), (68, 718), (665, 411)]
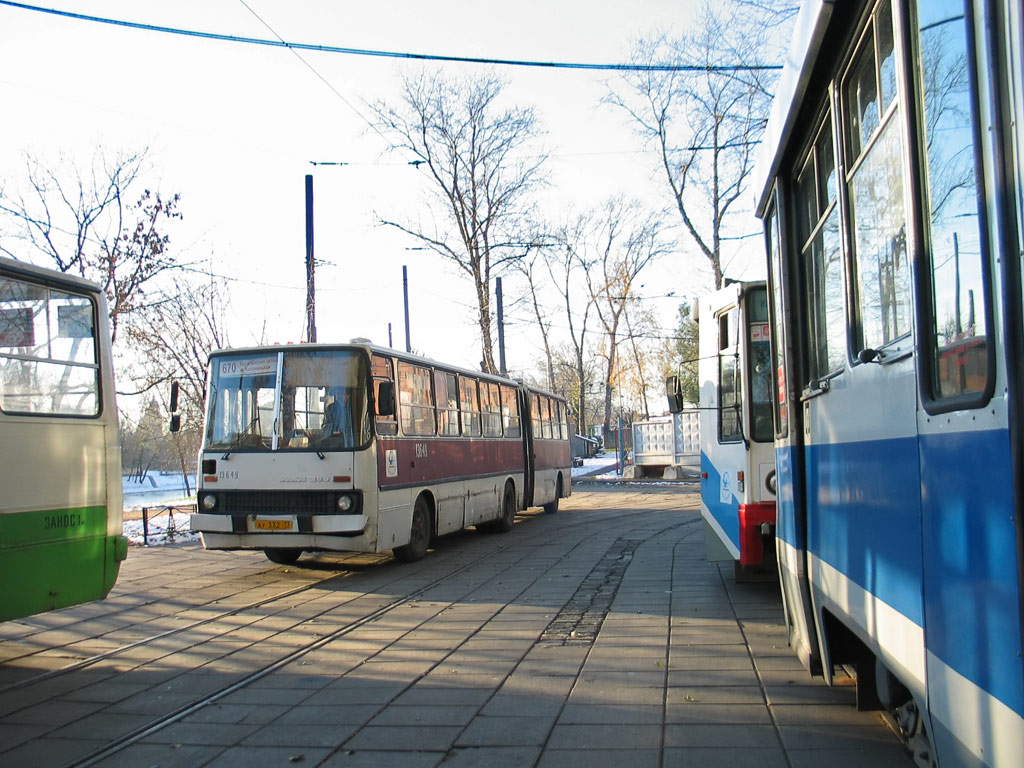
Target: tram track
[(159, 723), (609, 518), (112, 653)]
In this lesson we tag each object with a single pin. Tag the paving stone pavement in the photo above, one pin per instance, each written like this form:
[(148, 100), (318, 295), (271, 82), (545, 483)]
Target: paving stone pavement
[(599, 636)]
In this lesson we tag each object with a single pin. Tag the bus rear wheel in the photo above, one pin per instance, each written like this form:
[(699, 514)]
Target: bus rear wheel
[(552, 506), (507, 517), (419, 535), (283, 556)]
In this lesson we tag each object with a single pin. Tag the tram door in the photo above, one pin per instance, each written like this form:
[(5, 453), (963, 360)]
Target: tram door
[(858, 389)]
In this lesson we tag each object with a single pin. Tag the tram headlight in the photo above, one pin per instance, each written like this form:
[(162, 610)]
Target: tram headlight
[(771, 482), (208, 502), (345, 503)]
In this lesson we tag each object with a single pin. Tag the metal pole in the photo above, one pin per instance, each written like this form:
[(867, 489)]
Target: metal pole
[(405, 294), (145, 527), (310, 286), (390, 342), (501, 329)]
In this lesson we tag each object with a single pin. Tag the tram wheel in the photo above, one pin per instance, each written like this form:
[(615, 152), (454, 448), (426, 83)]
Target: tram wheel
[(283, 556), (419, 535), (552, 506)]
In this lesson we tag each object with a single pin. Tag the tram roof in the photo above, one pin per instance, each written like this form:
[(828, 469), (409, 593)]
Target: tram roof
[(808, 33)]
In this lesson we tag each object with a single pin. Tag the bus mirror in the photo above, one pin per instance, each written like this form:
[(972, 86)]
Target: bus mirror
[(675, 394), (175, 416), (386, 398)]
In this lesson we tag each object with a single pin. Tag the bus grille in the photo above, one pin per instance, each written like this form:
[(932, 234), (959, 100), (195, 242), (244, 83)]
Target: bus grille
[(277, 502)]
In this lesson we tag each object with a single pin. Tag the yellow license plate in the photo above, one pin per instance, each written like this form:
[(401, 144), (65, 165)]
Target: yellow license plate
[(273, 525)]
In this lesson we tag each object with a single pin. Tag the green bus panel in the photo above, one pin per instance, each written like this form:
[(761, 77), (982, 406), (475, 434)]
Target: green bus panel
[(56, 558)]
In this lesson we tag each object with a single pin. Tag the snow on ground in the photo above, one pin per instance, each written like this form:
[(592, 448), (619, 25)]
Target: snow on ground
[(165, 500)]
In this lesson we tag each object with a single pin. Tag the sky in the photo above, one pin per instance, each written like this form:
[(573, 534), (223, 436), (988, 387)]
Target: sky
[(233, 129)]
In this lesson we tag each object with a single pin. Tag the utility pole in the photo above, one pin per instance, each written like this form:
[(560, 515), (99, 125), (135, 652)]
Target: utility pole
[(405, 294), (501, 328), (310, 284)]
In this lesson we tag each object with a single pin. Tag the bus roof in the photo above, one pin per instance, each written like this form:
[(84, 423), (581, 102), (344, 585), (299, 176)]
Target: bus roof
[(808, 33), (377, 349), (24, 269)]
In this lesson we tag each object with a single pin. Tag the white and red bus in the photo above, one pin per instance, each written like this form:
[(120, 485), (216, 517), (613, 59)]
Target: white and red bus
[(360, 448)]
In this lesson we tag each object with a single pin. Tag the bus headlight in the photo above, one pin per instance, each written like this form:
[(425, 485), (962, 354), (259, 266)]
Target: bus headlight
[(209, 501), (345, 503)]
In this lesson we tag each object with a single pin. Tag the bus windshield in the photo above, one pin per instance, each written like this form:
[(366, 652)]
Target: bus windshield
[(288, 400)]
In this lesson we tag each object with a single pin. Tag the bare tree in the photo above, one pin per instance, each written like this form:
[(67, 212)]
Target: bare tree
[(94, 222), (469, 146), (705, 121), (171, 340), (528, 267), (564, 259), (618, 241)]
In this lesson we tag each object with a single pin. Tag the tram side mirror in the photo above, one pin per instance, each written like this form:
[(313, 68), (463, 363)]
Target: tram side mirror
[(175, 416), (386, 398), (675, 394)]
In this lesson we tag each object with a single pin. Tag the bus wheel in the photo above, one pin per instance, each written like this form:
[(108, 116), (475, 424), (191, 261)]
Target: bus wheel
[(419, 535), (508, 510), (283, 556), (552, 506)]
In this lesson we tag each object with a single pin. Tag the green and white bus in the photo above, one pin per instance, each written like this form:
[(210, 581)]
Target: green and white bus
[(61, 540)]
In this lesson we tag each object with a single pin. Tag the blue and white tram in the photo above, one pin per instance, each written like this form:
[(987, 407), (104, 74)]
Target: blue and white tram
[(890, 187), (737, 462)]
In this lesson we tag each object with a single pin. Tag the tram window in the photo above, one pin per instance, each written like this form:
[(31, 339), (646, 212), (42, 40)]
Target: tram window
[(469, 403), (760, 363), (959, 349), (730, 399), (416, 401), (779, 348), (875, 183), (821, 259), (510, 412), (47, 351), (447, 403)]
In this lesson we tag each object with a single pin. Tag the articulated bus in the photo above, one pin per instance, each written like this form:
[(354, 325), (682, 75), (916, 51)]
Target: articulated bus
[(737, 454), (360, 448), (61, 539), (891, 190)]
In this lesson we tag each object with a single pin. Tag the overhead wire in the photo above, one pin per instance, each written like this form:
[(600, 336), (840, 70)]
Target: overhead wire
[(281, 43)]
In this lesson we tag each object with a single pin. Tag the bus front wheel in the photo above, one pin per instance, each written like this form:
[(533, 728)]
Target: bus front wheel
[(419, 535), (283, 556)]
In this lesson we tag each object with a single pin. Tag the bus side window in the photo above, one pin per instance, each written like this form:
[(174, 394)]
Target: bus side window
[(469, 403), (490, 405), (381, 370), (510, 412), (416, 400), (447, 403)]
